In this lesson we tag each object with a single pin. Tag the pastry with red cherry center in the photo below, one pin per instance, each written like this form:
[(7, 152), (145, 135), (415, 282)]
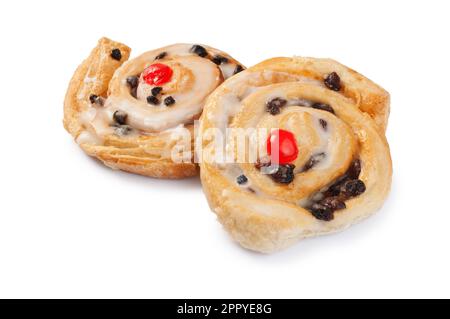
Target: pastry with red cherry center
[(314, 156), (137, 115)]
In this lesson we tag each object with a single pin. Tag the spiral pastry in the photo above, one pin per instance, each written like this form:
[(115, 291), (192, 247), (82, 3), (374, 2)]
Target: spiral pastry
[(133, 114), (322, 160)]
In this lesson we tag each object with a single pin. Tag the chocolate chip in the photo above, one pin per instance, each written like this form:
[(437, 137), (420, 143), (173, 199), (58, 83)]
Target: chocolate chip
[(334, 203), (219, 59), (352, 188), (93, 98), (352, 173), (116, 54), (241, 179), (323, 107), (276, 102), (274, 105), (313, 161), (122, 130), (120, 117), (323, 123), (333, 81), (322, 212), (160, 56), (199, 50), (262, 162), (284, 174), (274, 111), (168, 101), (133, 92), (152, 100), (325, 208), (238, 68), (333, 189), (354, 170), (156, 90), (345, 187), (132, 81)]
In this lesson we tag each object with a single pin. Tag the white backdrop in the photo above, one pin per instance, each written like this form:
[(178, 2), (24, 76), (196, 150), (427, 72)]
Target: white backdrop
[(70, 227)]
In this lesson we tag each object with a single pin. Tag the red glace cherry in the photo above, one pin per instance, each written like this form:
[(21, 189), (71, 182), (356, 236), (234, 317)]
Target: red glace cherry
[(285, 143), (157, 74)]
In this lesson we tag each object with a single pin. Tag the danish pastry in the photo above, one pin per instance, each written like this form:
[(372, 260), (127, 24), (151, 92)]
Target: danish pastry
[(312, 157), (131, 114)]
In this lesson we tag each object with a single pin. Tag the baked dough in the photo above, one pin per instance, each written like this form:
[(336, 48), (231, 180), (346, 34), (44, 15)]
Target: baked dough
[(342, 173), (368, 96), (107, 111)]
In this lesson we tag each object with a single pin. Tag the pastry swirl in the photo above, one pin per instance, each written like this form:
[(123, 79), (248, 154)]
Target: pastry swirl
[(365, 94), (336, 167), (131, 114)]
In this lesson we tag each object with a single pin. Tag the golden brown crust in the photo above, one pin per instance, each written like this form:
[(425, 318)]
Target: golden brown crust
[(141, 154), (368, 96), (100, 64), (263, 222)]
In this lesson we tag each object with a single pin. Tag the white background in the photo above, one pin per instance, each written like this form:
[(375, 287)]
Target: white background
[(70, 227)]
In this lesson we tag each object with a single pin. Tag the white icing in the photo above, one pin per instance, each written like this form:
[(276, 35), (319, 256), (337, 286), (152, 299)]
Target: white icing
[(229, 105), (87, 137), (88, 116), (88, 79), (227, 69), (148, 119)]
